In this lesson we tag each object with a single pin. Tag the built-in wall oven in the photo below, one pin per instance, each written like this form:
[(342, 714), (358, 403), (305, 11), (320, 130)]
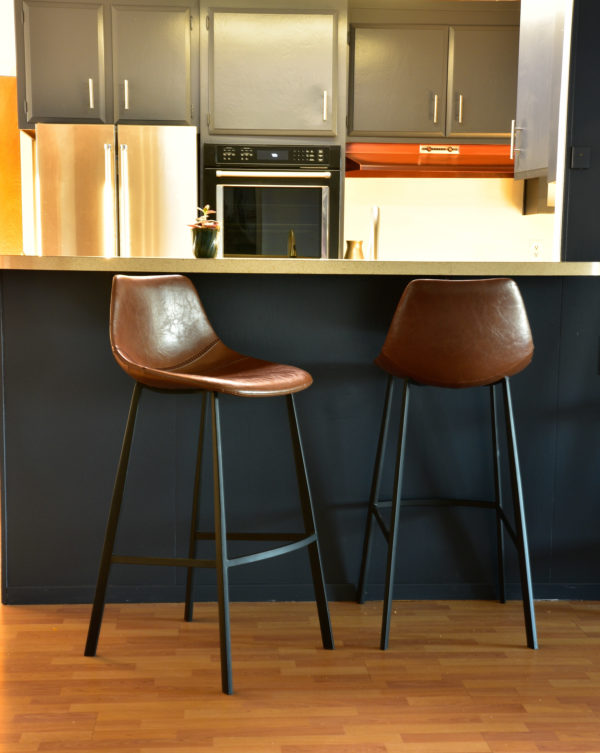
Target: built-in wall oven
[(274, 200)]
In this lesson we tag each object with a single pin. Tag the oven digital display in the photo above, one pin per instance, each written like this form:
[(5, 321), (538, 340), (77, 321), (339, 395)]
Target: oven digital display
[(272, 155)]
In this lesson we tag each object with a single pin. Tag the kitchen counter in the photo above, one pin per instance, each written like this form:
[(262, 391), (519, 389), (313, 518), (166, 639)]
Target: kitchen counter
[(285, 266)]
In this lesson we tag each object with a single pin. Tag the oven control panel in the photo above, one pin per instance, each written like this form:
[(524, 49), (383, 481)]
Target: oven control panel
[(274, 156)]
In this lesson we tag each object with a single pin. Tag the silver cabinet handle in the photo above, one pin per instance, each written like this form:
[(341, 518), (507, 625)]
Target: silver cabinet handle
[(324, 104), (460, 108), (513, 132), (126, 93), (435, 108), (125, 219), (91, 92), (512, 139)]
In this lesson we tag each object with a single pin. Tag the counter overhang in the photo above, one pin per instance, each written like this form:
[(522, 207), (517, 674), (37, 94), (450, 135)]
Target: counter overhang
[(283, 266)]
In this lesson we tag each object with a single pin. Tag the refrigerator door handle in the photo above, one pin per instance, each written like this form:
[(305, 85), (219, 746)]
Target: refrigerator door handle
[(108, 201), (91, 92), (124, 203)]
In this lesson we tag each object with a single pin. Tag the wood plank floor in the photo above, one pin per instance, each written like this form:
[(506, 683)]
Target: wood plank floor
[(457, 678)]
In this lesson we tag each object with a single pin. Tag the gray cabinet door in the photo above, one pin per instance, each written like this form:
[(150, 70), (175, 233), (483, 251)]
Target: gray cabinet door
[(398, 82), (64, 61), (541, 61), (272, 73), (151, 64), (482, 81)]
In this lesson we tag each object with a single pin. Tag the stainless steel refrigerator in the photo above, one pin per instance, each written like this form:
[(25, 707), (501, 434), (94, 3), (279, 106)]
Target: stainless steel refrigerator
[(105, 190)]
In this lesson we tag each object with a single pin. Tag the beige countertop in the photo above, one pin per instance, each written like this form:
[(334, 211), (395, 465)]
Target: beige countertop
[(284, 266)]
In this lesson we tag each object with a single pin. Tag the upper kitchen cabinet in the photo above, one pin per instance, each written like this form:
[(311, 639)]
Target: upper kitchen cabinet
[(63, 49), (272, 72), (482, 81), (543, 62), (398, 80), (151, 64), (433, 81), (101, 62)]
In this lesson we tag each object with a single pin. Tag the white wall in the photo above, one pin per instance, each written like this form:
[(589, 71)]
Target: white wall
[(8, 64), (447, 219)]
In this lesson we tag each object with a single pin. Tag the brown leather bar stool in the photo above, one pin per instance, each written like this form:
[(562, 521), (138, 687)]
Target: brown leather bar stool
[(455, 334), (161, 337)]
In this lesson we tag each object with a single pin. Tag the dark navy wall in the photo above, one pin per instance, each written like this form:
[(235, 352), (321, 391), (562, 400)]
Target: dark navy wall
[(65, 400), (581, 230)]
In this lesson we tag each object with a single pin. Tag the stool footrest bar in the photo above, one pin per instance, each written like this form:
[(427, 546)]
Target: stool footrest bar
[(276, 552), (381, 522), (441, 502), (208, 536), (509, 528), (121, 559), (298, 543)]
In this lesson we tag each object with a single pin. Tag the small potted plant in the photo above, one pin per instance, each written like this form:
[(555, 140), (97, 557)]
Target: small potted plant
[(205, 233)]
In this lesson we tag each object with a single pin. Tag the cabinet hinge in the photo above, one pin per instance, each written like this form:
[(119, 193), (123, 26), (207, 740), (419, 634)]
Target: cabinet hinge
[(207, 21)]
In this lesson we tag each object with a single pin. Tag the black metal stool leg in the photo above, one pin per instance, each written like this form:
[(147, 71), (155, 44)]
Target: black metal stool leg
[(189, 583), (498, 496), (393, 532), (374, 496), (521, 530), (222, 561), (111, 528), (310, 526)]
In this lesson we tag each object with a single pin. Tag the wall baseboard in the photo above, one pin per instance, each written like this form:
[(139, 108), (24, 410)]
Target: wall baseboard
[(299, 592)]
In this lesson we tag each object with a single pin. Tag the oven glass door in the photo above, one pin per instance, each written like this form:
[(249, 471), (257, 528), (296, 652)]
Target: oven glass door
[(273, 219)]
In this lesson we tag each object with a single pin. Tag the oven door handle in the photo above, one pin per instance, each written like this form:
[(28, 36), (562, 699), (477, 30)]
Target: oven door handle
[(273, 174)]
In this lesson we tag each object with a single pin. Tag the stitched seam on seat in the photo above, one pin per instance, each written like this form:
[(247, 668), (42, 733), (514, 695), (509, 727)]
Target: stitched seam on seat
[(210, 371), (192, 358)]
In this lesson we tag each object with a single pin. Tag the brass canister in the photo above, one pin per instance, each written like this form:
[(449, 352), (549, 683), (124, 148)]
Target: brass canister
[(354, 250)]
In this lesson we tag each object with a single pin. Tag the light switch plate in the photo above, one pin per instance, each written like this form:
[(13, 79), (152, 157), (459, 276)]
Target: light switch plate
[(581, 157)]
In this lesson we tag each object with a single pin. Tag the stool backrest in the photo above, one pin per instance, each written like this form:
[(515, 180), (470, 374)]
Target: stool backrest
[(157, 321), (458, 333)]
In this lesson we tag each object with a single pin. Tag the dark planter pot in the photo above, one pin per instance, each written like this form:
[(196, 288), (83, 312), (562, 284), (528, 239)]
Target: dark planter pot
[(205, 242)]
